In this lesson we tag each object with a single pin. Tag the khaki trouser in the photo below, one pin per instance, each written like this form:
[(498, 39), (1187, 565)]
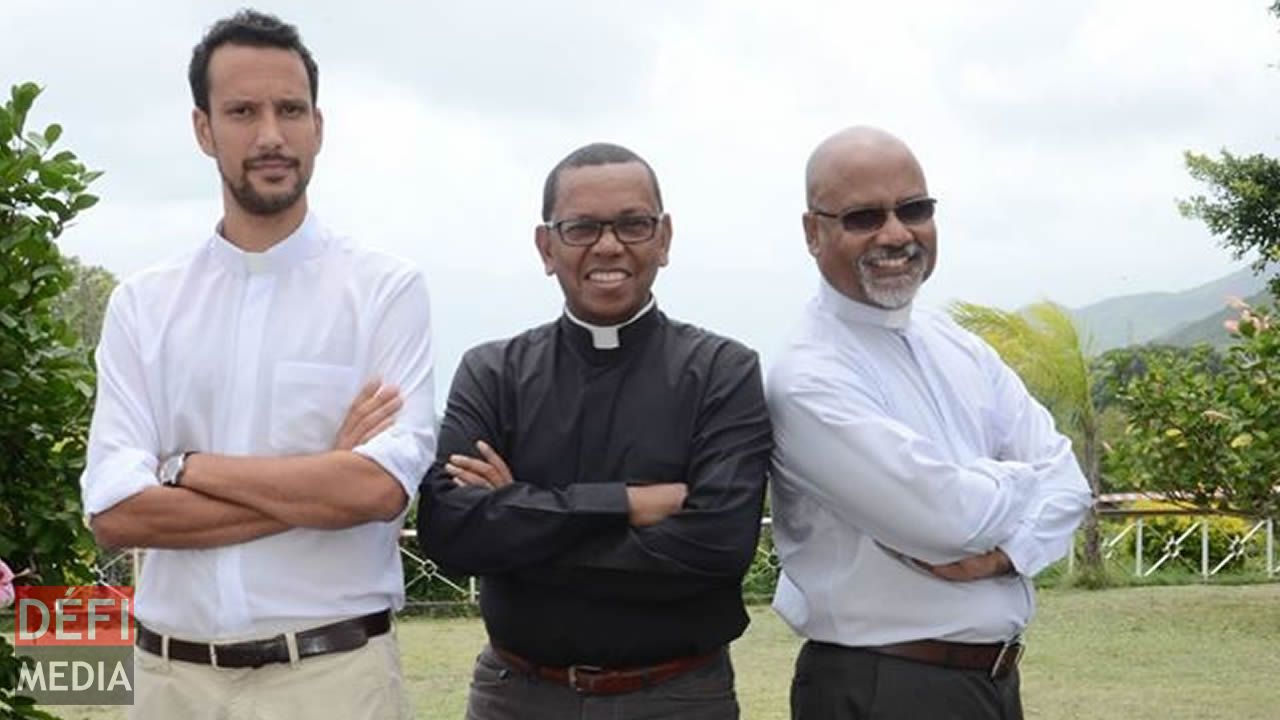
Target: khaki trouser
[(356, 685)]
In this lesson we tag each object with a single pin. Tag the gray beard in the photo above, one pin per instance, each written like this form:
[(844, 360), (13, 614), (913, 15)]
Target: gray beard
[(893, 293)]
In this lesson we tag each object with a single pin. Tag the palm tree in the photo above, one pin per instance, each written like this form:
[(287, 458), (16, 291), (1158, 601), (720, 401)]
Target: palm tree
[(1042, 345)]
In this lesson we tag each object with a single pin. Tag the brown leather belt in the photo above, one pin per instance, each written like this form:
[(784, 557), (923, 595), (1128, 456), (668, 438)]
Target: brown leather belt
[(998, 659), (591, 680), (341, 636)]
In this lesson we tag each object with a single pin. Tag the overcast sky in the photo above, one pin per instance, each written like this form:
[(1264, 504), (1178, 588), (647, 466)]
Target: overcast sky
[(1052, 134)]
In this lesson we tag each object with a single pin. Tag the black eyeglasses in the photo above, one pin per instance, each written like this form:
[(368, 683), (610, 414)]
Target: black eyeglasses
[(629, 229), (863, 220)]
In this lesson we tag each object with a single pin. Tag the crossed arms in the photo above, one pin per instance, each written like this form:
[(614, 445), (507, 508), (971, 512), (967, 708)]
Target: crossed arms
[(653, 541), (225, 500), (367, 475), (961, 521)]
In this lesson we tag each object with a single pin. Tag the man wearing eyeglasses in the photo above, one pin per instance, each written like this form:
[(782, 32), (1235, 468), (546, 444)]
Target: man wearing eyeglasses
[(604, 475), (917, 486)]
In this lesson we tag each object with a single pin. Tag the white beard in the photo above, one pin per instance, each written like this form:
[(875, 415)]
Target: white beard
[(896, 292)]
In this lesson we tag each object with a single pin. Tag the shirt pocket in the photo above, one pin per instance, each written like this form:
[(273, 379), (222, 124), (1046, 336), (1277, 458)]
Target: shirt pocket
[(308, 404)]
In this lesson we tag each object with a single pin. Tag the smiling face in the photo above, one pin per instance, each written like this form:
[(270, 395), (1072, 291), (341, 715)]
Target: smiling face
[(883, 267), (608, 282), (261, 127)]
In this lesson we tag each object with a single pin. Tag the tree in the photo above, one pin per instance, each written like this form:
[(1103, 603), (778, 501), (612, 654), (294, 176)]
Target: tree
[(84, 304), (1042, 345), (1210, 437), (1243, 205), (1205, 431), (45, 381)]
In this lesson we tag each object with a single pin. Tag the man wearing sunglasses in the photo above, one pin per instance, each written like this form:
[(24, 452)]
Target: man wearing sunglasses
[(604, 475), (917, 486)]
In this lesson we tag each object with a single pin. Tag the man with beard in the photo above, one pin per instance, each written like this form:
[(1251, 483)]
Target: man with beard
[(917, 486), (264, 414), (604, 474)]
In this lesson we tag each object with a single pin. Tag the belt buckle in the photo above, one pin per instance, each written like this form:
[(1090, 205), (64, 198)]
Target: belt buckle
[(1008, 659), (576, 674)]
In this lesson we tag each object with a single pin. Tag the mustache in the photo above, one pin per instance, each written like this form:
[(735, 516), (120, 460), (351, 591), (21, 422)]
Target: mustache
[(910, 251), (270, 159)]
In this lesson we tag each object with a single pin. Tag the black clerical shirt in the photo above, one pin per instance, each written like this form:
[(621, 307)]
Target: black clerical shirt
[(564, 578)]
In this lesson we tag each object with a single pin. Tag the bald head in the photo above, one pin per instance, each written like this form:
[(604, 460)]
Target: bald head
[(829, 163), (869, 223)]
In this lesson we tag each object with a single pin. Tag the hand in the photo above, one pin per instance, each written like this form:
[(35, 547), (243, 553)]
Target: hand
[(974, 567), (651, 504), (490, 473), (373, 411)]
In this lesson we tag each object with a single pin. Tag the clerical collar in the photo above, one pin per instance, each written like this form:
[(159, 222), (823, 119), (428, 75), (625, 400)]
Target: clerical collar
[(852, 311), (302, 244), (605, 337)]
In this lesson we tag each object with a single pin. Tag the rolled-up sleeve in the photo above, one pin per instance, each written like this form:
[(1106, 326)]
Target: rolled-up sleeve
[(401, 356), (123, 442)]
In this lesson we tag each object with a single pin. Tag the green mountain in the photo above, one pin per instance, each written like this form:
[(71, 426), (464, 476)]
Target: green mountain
[(1165, 316), (1209, 329)]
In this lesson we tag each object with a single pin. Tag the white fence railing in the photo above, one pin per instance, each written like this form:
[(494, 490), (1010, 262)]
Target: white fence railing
[(1144, 540)]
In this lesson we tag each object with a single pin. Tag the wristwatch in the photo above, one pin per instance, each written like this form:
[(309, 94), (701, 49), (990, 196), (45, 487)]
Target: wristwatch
[(171, 469)]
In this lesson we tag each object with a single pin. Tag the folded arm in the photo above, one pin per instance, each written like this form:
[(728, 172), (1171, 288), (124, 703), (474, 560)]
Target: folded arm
[(481, 531), (385, 442), (839, 443), (1061, 495), (332, 490), (711, 540), (177, 518)]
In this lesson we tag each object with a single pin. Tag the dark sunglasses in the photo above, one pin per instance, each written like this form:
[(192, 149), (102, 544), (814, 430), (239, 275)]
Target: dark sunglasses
[(862, 220)]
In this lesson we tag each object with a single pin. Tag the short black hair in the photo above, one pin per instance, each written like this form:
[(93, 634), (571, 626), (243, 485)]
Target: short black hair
[(599, 153), (253, 29)]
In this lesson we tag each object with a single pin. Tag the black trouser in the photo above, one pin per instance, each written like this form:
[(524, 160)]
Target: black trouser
[(840, 683), (500, 692)]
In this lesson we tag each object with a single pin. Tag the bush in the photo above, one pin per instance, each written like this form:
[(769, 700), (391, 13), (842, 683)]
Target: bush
[(45, 380)]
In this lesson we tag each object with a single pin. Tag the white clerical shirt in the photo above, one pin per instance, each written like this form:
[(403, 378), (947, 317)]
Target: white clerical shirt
[(261, 354), (900, 435)]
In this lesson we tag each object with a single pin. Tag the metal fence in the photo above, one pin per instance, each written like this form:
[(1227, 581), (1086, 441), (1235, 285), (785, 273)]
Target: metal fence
[(1143, 542), (1208, 544)]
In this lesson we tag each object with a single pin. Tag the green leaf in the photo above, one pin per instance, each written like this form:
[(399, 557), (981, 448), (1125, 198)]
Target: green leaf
[(52, 133), (24, 96), (52, 178), (84, 202), (6, 126)]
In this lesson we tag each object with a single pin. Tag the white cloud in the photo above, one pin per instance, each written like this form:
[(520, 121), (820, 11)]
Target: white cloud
[(1052, 133)]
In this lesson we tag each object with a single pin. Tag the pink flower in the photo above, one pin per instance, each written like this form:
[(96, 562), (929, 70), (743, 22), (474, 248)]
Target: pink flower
[(6, 585)]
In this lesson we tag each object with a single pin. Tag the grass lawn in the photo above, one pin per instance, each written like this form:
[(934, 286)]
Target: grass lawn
[(1136, 653)]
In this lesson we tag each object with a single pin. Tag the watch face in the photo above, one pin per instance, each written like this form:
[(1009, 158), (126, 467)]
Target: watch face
[(170, 469)]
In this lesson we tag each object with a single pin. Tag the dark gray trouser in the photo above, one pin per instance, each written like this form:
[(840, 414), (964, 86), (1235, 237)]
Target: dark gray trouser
[(499, 692), (840, 683)]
